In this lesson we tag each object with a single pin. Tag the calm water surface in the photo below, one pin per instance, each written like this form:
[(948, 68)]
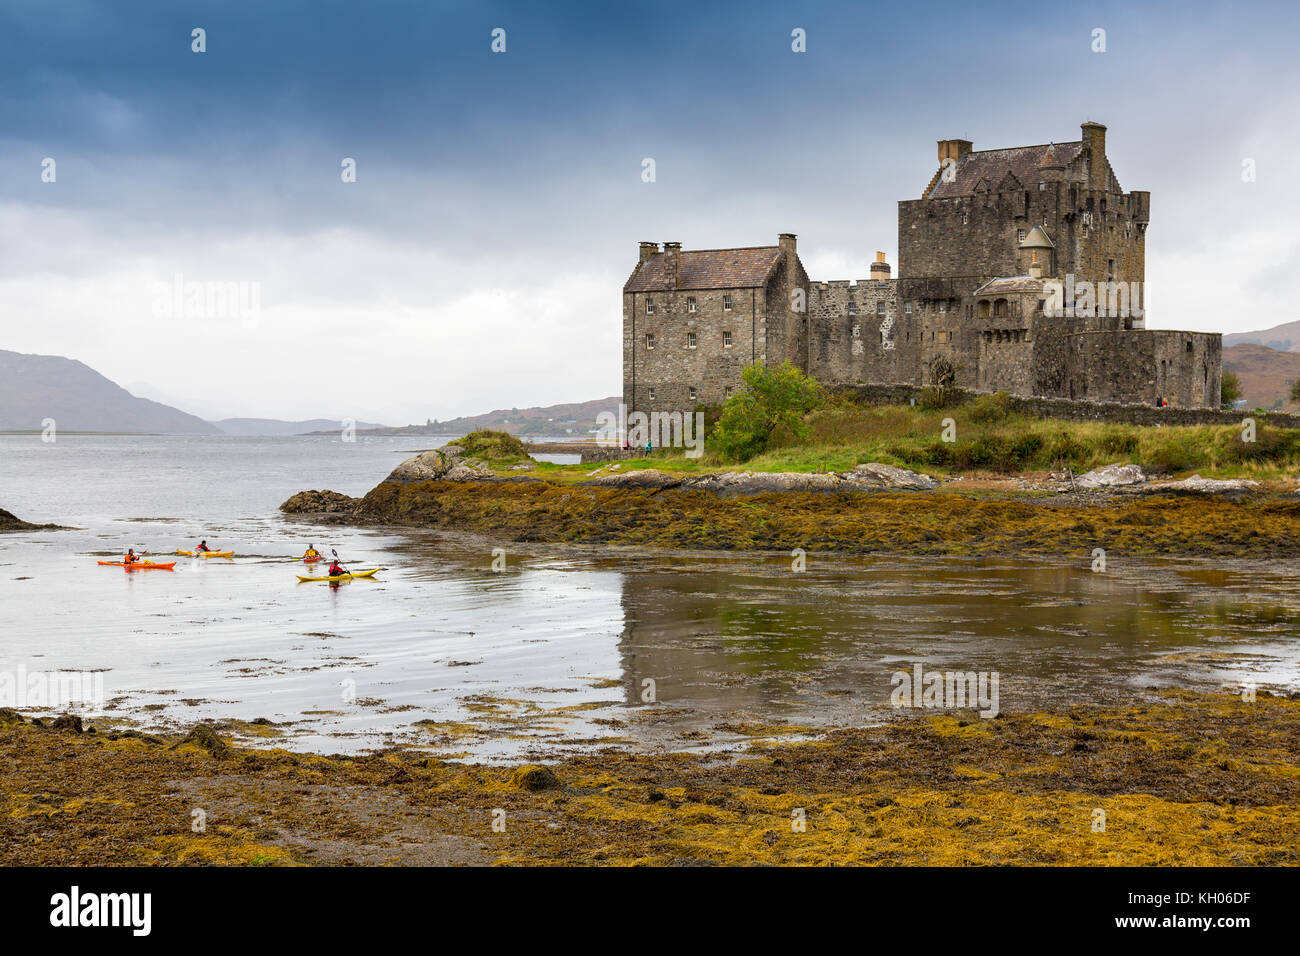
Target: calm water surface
[(556, 651)]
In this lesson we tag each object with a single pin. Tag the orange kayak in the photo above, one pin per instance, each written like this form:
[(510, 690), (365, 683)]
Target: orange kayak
[(311, 560), (141, 565)]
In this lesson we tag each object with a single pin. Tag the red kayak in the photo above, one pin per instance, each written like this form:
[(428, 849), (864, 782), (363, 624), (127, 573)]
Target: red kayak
[(141, 565), (311, 560)]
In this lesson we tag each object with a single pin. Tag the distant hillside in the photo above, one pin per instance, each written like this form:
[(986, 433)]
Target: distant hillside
[(36, 387), (574, 420), (275, 428), (1282, 338), (1266, 374)]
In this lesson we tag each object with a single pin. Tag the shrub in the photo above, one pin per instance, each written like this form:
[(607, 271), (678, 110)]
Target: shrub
[(991, 408), (772, 404)]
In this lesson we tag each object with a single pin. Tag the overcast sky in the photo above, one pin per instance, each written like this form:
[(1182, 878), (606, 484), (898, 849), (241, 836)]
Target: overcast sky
[(477, 260)]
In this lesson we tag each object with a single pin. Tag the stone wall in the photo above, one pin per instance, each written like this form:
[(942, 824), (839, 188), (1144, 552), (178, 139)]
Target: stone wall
[(673, 367), (1081, 411)]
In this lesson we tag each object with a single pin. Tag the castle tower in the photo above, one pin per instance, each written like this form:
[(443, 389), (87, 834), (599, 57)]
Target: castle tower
[(1037, 254)]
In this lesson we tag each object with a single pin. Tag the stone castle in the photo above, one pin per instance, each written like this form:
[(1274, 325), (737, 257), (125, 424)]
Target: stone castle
[(1019, 269)]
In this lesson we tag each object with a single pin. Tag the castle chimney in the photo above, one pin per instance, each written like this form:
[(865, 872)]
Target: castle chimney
[(1094, 137), (786, 242), (953, 149), (880, 269), (672, 262), (648, 249)]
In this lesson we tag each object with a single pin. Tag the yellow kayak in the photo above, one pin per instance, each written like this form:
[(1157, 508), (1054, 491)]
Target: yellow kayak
[(341, 577), (209, 554)]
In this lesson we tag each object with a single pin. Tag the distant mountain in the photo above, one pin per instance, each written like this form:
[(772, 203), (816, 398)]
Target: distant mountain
[(1281, 338), (1266, 374), (573, 420), (276, 428), (77, 398)]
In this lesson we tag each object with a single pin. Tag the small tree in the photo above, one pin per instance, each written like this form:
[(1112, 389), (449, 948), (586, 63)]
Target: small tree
[(1229, 389), (1295, 390), (774, 398)]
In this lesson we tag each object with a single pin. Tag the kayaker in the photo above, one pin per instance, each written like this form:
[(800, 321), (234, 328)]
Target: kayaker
[(203, 546), (130, 557), (311, 552), (336, 569)]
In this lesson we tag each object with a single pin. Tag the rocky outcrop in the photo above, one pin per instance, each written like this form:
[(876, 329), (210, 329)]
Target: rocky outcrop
[(11, 522), (441, 464), (875, 475), (321, 503), (1208, 486), (869, 477), (644, 478), (1112, 476), (758, 482)]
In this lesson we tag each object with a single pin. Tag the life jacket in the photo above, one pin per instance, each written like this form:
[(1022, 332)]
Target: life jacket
[(336, 569)]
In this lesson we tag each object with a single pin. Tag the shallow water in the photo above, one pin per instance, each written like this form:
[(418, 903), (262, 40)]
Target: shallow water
[(555, 650)]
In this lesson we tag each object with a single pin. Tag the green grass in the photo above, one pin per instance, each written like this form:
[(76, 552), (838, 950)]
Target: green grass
[(991, 440)]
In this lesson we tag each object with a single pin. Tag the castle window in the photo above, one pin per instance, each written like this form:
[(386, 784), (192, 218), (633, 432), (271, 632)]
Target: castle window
[(650, 341), (1000, 308), (649, 306), (943, 305), (690, 340), (726, 302), (857, 331), (907, 306), (1020, 235), (880, 308), (804, 325), (853, 308), (726, 340), (692, 394), (1042, 187), (652, 394), (1189, 345), (984, 308), (690, 303)]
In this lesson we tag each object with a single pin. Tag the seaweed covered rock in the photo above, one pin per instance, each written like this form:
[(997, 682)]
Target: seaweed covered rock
[(68, 722), (11, 522), (319, 502), (534, 776), (204, 737)]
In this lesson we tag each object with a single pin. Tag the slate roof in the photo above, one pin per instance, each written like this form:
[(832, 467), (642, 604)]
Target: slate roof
[(986, 169), (707, 269)]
